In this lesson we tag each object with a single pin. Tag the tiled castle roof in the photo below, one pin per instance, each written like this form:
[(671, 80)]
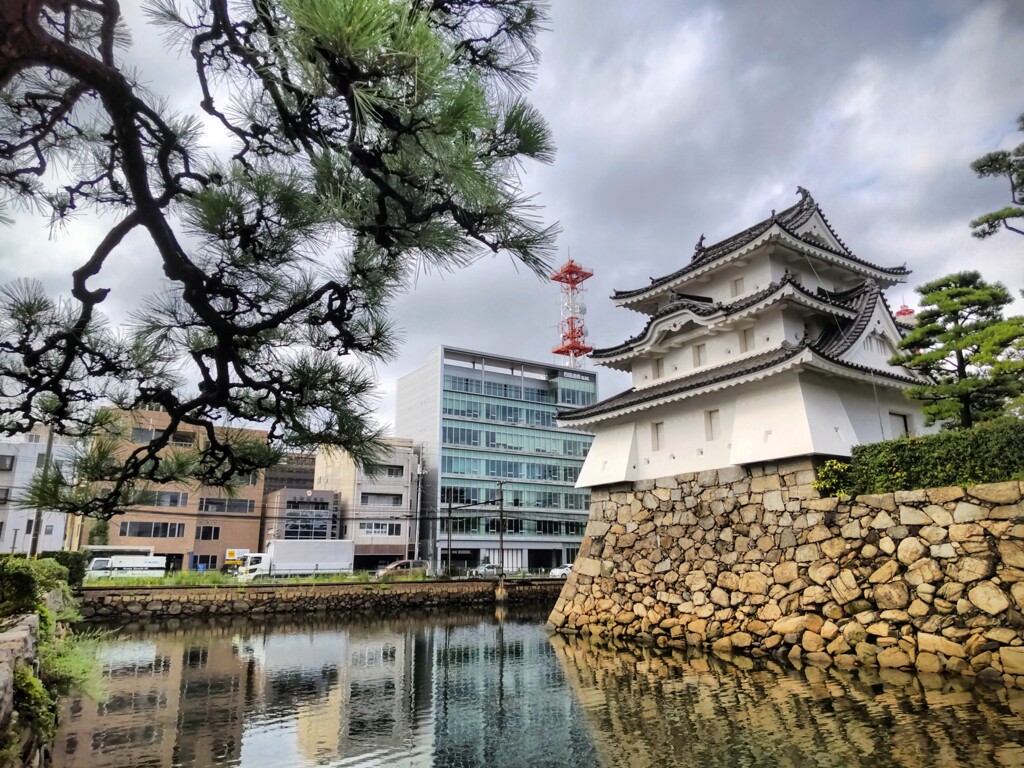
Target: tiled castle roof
[(706, 308), (829, 346), (788, 220)]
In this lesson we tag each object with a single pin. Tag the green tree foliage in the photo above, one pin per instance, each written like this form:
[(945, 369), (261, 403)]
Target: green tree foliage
[(1008, 164), (367, 137), (99, 533), (967, 349)]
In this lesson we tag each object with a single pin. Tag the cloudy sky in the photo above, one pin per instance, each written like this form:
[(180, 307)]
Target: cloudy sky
[(674, 119)]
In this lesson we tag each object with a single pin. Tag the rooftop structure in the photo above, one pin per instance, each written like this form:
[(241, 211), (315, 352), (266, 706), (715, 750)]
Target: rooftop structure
[(774, 342)]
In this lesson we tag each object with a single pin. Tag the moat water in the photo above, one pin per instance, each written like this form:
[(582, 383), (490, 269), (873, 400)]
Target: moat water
[(480, 689)]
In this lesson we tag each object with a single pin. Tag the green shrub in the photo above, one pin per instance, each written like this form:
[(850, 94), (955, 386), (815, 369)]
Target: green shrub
[(75, 562), (17, 586), (987, 453), (34, 704), (833, 478)]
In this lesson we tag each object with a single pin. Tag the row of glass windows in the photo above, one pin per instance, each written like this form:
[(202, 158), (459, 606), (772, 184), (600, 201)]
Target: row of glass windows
[(498, 389), (380, 529), (513, 525), (514, 497), (226, 505), (524, 470), (516, 439), (148, 530), (307, 524), (472, 408)]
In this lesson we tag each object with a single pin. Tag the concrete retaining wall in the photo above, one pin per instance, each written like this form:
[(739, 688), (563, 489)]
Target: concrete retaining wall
[(130, 603), (753, 560)]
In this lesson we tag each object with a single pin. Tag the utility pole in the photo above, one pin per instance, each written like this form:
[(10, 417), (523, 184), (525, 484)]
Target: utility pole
[(47, 459), (501, 529), (449, 538)]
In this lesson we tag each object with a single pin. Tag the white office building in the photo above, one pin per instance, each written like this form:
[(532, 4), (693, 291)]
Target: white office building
[(492, 451)]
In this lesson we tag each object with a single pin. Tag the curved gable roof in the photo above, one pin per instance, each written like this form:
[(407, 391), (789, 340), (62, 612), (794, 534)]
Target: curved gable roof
[(790, 220)]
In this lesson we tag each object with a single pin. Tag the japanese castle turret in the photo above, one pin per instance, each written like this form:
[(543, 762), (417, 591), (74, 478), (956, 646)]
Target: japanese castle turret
[(773, 343)]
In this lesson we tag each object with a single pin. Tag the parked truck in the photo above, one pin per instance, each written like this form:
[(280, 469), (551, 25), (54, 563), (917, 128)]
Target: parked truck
[(299, 557), (129, 566)]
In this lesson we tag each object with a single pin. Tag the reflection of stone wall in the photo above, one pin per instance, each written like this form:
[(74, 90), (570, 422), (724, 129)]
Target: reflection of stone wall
[(654, 707), (98, 603), (753, 560)]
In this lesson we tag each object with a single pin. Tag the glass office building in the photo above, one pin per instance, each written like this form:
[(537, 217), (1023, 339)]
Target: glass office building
[(492, 450)]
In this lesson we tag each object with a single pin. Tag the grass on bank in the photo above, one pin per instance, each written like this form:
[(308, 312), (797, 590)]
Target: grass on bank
[(218, 579)]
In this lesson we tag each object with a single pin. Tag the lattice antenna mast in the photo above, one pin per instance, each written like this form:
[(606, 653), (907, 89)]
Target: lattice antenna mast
[(574, 333)]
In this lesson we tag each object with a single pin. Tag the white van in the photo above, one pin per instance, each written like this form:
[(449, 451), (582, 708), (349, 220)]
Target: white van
[(118, 566)]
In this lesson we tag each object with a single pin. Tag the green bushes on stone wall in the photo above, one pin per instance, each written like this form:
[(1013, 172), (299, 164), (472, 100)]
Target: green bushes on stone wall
[(988, 453), (75, 562)]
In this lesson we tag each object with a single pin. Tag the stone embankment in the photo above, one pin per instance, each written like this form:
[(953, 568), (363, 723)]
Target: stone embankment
[(752, 560), (130, 603)]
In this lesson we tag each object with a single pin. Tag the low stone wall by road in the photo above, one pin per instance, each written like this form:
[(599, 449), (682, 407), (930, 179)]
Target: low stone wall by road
[(753, 560), (130, 603)]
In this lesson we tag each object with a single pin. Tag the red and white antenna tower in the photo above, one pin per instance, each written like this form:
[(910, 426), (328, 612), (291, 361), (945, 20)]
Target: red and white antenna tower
[(574, 332), (905, 315)]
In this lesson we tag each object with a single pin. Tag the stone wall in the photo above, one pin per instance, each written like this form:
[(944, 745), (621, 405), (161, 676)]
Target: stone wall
[(753, 560), (101, 603)]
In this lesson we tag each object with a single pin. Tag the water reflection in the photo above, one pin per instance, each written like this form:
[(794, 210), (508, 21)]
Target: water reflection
[(648, 708), (472, 689), (459, 689)]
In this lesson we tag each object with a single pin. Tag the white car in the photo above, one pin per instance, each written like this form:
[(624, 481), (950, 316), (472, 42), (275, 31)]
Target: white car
[(561, 572), (488, 571)]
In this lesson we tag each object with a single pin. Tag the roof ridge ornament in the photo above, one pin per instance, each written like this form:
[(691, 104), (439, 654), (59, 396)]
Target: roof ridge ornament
[(698, 249), (804, 194)]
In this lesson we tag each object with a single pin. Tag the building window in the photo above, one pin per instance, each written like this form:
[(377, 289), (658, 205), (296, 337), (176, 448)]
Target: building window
[(394, 470), (746, 339), (164, 498), (48, 530), (7, 462), (380, 499), (512, 525), (900, 424), (657, 435), (659, 367), (148, 530), (700, 355), (140, 435), (226, 505), (207, 533), (736, 289), (575, 528), (380, 529), (712, 425), (461, 524), (549, 527), (204, 562), (5, 495), (28, 526)]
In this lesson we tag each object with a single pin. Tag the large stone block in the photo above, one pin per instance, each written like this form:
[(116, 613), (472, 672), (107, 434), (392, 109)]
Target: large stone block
[(1012, 553), (997, 493), (966, 512), (753, 583), (989, 598), (844, 587)]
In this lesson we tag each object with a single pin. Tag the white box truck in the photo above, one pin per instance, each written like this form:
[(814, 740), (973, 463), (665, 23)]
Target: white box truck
[(299, 557), (131, 566)]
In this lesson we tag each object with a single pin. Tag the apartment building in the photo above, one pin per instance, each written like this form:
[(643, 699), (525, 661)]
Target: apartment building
[(379, 512), (493, 452), (191, 525), (21, 457)]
